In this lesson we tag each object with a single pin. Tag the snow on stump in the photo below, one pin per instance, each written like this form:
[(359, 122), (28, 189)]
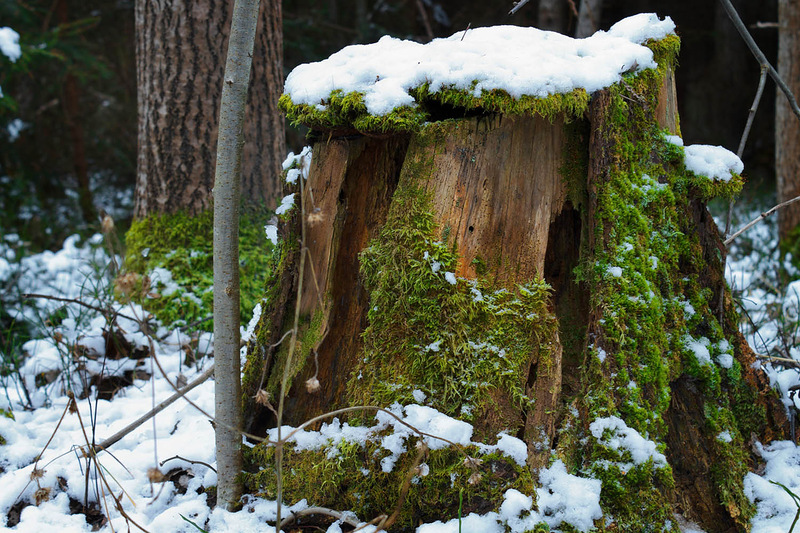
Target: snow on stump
[(507, 243)]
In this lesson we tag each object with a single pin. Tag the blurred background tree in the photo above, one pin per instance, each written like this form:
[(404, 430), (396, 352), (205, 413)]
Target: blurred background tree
[(69, 112), (68, 139)]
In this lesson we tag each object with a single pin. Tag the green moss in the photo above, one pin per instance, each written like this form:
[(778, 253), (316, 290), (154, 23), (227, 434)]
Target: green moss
[(348, 112), (644, 270), (182, 245), (456, 342), (352, 476)]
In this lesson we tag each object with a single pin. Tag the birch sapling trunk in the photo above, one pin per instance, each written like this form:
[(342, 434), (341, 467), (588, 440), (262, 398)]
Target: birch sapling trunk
[(227, 200)]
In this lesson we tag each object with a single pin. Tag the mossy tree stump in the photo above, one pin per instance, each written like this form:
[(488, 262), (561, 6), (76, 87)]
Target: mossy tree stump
[(529, 273)]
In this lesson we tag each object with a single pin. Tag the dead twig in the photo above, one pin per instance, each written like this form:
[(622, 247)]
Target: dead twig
[(759, 55), (116, 437), (345, 518), (761, 217), (188, 461)]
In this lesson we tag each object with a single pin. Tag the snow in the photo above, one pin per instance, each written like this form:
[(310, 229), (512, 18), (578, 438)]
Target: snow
[(287, 202), (9, 44), (518, 60), (714, 162), (612, 432)]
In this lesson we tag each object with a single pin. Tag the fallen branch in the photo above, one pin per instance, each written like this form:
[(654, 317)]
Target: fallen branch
[(761, 217), (345, 518), (157, 409)]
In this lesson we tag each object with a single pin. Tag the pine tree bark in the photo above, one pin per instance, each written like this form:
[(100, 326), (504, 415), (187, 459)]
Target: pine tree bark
[(787, 126), (180, 51)]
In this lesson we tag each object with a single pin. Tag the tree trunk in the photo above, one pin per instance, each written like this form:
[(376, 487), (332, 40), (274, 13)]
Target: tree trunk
[(534, 278), (787, 126), (180, 51), (73, 119)]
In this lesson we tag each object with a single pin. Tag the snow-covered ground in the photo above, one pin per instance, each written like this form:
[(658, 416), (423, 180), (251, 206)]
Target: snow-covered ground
[(180, 438)]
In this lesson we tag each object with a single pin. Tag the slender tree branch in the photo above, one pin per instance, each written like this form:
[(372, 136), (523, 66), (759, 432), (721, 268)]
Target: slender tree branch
[(344, 517), (762, 59), (761, 217), (116, 437), (517, 6)]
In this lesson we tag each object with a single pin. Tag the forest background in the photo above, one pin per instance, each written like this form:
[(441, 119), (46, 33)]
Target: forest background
[(68, 124)]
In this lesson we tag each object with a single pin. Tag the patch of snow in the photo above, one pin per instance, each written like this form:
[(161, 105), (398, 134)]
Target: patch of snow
[(714, 162), (612, 432), (9, 44), (518, 60), (287, 202), (450, 277)]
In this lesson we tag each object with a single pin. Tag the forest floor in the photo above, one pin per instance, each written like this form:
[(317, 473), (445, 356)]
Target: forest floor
[(156, 477)]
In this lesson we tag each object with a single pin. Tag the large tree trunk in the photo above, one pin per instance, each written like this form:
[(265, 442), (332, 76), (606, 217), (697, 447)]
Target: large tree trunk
[(180, 54), (534, 278), (787, 126)]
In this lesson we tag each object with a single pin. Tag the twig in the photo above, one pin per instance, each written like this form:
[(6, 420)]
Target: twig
[(74, 301), (517, 6), (368, 408), (761, 217), (762, 59), (387, 523), (188, 461), (160, 407), (742, 142), (289, 357), (93, 456), (344, 517), (779, 360)]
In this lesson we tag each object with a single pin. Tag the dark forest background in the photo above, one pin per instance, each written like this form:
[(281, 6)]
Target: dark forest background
[(68, 119)]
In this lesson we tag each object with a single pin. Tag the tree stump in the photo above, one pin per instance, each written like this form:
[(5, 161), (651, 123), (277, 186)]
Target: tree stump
[(548, 276)]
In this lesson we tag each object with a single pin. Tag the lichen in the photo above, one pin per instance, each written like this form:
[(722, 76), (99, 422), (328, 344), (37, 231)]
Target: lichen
[(182, 244)]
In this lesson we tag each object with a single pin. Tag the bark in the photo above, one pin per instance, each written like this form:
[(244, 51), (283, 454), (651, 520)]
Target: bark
[(180, 49), (227, 185), (787, 126)]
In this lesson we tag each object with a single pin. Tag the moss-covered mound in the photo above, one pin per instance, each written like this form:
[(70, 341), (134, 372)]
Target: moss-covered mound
[(175, 254)]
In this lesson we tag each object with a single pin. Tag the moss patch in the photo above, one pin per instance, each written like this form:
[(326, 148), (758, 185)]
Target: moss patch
[(351, 475), (182, 246), (456, 341), (656, 320)]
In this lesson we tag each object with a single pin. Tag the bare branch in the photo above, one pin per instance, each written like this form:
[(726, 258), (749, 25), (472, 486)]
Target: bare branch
[(517, 6), (762, 59), (761, 217), (157, 409), (343, 517)]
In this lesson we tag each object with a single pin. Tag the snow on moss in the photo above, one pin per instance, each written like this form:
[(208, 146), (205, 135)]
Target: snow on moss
[(518, 60), (612, 432)]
